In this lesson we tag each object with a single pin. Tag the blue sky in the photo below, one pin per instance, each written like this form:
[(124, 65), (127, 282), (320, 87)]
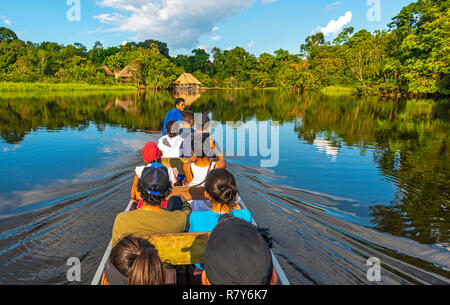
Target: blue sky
[(257, 25)]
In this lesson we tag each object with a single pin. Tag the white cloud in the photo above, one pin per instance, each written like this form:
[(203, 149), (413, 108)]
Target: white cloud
[(333, 6), (179, 23), (6, 21), (335, 26), (251, 44), (204, 47), (111, 19), (264, 2), (217, 37)]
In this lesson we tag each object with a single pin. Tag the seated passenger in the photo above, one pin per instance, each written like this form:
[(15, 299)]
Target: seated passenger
[(199, 166), (237, 254), (153, 186), (187, 118), (134, 261), (220, 189), (202, 126), (151, 155), (170, 144)]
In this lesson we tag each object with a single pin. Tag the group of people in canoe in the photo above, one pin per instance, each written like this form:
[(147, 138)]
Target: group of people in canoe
[(236, 252)]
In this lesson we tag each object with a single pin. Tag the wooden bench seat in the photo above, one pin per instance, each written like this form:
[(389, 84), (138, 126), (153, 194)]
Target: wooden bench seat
[(180, 249)]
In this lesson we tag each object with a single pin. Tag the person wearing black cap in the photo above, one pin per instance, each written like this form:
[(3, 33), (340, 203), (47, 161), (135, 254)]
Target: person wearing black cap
[(154, 186), (237, 254)]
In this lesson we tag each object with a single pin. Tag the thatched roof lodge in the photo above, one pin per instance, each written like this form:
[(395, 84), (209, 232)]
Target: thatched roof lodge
[(186, 81), (108, 72), (126, 74)]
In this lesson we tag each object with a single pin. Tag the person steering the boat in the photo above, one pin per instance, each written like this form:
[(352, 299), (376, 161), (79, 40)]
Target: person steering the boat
[(154, 186), (238, 254), (174, 114)]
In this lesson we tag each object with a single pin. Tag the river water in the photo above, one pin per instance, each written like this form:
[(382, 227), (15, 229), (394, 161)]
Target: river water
[(347, 179)]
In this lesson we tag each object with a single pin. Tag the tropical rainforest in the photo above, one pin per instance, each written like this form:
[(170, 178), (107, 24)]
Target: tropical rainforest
[(410, 57)]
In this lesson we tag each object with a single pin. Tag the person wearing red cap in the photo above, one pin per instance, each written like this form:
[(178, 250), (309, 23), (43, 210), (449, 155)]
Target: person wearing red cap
[(150, 155)]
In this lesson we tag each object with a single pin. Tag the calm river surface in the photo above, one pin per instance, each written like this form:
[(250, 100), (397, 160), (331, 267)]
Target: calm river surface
[(355, 178)]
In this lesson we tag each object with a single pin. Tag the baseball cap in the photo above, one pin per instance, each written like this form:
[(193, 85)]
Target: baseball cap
[(237, 254), (151, 152), (155, 175)]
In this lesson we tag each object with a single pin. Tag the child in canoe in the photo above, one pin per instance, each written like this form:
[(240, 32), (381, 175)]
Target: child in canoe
[(202, 125), (170, 143), (152, 156), (199, 165)]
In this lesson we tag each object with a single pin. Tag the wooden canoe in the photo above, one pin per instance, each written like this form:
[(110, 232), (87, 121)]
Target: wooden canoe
[(183, 248)]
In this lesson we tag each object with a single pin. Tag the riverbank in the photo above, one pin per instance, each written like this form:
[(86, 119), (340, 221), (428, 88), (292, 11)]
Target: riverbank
[(28, 87)]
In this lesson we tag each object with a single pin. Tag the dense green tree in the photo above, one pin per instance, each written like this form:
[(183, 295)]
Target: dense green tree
[(412, 57), (7, 35), (162, 46), (153, 69), (422, 33)]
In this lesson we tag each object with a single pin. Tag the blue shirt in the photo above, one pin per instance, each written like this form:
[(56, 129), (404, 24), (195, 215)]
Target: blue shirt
[(172, 115), (205, 221)]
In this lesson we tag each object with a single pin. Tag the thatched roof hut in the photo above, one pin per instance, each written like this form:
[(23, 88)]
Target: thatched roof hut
[(126, 74), (186, 81), (108, 72)]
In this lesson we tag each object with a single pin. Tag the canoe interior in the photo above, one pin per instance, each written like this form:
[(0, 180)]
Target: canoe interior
[(184, 249)]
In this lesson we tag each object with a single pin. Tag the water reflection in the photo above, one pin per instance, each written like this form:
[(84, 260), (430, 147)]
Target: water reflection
[(407, 140), (189, 95), (327, 147)]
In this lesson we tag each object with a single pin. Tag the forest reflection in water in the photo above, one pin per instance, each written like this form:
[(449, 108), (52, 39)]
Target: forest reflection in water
[(407, 140)]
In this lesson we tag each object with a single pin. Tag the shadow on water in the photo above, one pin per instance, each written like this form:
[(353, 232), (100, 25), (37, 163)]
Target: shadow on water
[(323, 231)]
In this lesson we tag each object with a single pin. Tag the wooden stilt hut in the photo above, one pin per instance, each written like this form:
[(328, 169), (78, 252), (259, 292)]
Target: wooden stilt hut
[(186, 81)]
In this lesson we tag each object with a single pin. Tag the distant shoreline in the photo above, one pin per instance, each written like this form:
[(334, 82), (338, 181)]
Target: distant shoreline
[(12, 87), (28, 87)]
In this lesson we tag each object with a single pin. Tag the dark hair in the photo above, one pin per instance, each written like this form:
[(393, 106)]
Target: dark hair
[(187, 116), (201, 145), (221, 186), (139, 261), (173, 128), (179, 100), (153, 199), (201, 126)]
